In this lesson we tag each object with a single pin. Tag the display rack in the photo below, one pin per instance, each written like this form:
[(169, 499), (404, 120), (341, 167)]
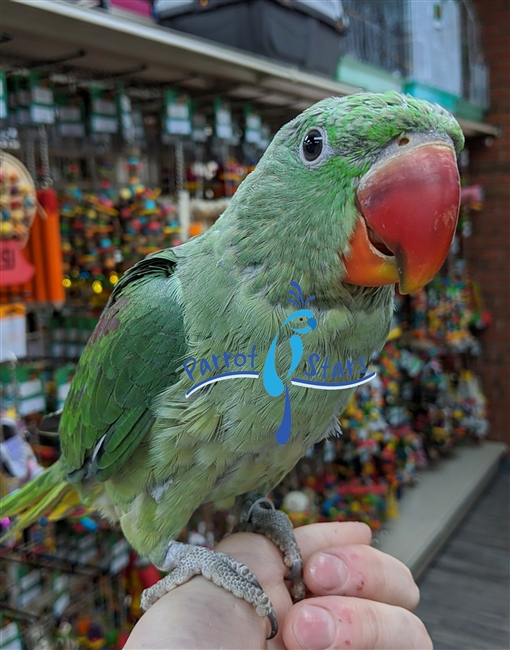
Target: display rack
[(54, 30)]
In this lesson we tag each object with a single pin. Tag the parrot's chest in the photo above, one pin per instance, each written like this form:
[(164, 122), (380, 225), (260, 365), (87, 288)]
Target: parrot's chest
[(251, 417)]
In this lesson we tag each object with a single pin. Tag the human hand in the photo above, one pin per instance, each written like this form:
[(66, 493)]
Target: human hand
[(360, 598)]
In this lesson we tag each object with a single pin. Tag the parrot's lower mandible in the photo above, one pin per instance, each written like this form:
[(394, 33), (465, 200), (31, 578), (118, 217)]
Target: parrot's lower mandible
[(354, 195)]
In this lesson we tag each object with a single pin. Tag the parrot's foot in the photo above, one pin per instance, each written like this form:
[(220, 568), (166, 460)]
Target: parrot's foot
[(186, 561), (258, 515)]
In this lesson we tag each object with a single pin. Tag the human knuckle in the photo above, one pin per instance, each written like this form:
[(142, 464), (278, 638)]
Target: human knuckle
[(412, 591), (365, 528), (372, 625)]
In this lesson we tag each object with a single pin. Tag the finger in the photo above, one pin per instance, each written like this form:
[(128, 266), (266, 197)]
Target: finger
[(335, 623), (258, 552), (315, 537), (311, 538), (361, 571)]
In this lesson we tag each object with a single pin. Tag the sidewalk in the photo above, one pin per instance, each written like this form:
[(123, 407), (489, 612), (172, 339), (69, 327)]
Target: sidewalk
[(465, 594)]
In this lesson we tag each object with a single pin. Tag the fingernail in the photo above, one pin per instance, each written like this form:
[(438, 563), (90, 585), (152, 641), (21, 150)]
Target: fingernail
[(329, 571), (314, 628)]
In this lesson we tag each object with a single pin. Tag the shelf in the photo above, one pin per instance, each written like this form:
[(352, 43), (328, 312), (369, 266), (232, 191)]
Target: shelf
[(116, 41), (120, 45), (431, 512)]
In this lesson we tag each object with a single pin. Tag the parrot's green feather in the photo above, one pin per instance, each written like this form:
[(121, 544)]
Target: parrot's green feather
[(133, 444), (131, 357)]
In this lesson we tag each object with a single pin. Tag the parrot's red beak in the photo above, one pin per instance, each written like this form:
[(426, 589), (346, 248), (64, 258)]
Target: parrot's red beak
[(409, 204)]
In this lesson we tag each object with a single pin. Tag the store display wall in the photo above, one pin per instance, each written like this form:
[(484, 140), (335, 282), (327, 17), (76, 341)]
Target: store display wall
[(122, 195)]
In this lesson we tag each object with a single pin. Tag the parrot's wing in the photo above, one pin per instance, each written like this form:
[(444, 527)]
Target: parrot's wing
[(131, 357)]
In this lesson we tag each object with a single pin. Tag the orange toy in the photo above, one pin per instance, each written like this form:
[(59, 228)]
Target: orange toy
[(52, 247), (37, 253)]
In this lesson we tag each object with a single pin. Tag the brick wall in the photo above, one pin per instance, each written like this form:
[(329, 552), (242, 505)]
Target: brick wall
[(488, 249)]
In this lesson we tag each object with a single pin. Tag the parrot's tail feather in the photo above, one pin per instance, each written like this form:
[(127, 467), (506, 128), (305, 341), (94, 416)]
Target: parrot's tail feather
[(69, 503), (38, 498), (33, 491)]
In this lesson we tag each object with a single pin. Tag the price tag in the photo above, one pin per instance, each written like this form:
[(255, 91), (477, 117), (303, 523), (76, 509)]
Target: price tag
[(103, 116), (252, 132), (19, 99), (10, 637), (223, 117), (177, 114), (9, 138), (102, 124), (177, 127), (41, 95), (42, 114), (178, 111), (70, 118), (42, 109), (103, 106), (126, 116)]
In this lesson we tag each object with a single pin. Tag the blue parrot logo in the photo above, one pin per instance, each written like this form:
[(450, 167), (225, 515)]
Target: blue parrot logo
[(242, 366), (304, 322)]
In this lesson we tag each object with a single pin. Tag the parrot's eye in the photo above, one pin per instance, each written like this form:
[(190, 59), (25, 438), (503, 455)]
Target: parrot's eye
[(312, 145), (314, 148)]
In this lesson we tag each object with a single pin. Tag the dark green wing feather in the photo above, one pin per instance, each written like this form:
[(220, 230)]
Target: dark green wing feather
[(131, 357)]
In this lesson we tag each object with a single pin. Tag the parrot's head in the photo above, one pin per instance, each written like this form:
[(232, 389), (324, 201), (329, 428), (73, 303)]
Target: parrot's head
[(365, 189)]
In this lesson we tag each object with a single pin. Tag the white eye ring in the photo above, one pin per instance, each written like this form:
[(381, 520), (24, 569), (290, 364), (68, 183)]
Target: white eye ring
[(313, 148)]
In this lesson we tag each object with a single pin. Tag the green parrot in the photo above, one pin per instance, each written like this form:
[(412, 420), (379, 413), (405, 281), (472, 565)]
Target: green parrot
[(354, 195)]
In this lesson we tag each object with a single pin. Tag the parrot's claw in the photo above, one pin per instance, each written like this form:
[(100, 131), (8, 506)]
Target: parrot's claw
[(185, 561), (258, 515), (295, 571), (274, 625)]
